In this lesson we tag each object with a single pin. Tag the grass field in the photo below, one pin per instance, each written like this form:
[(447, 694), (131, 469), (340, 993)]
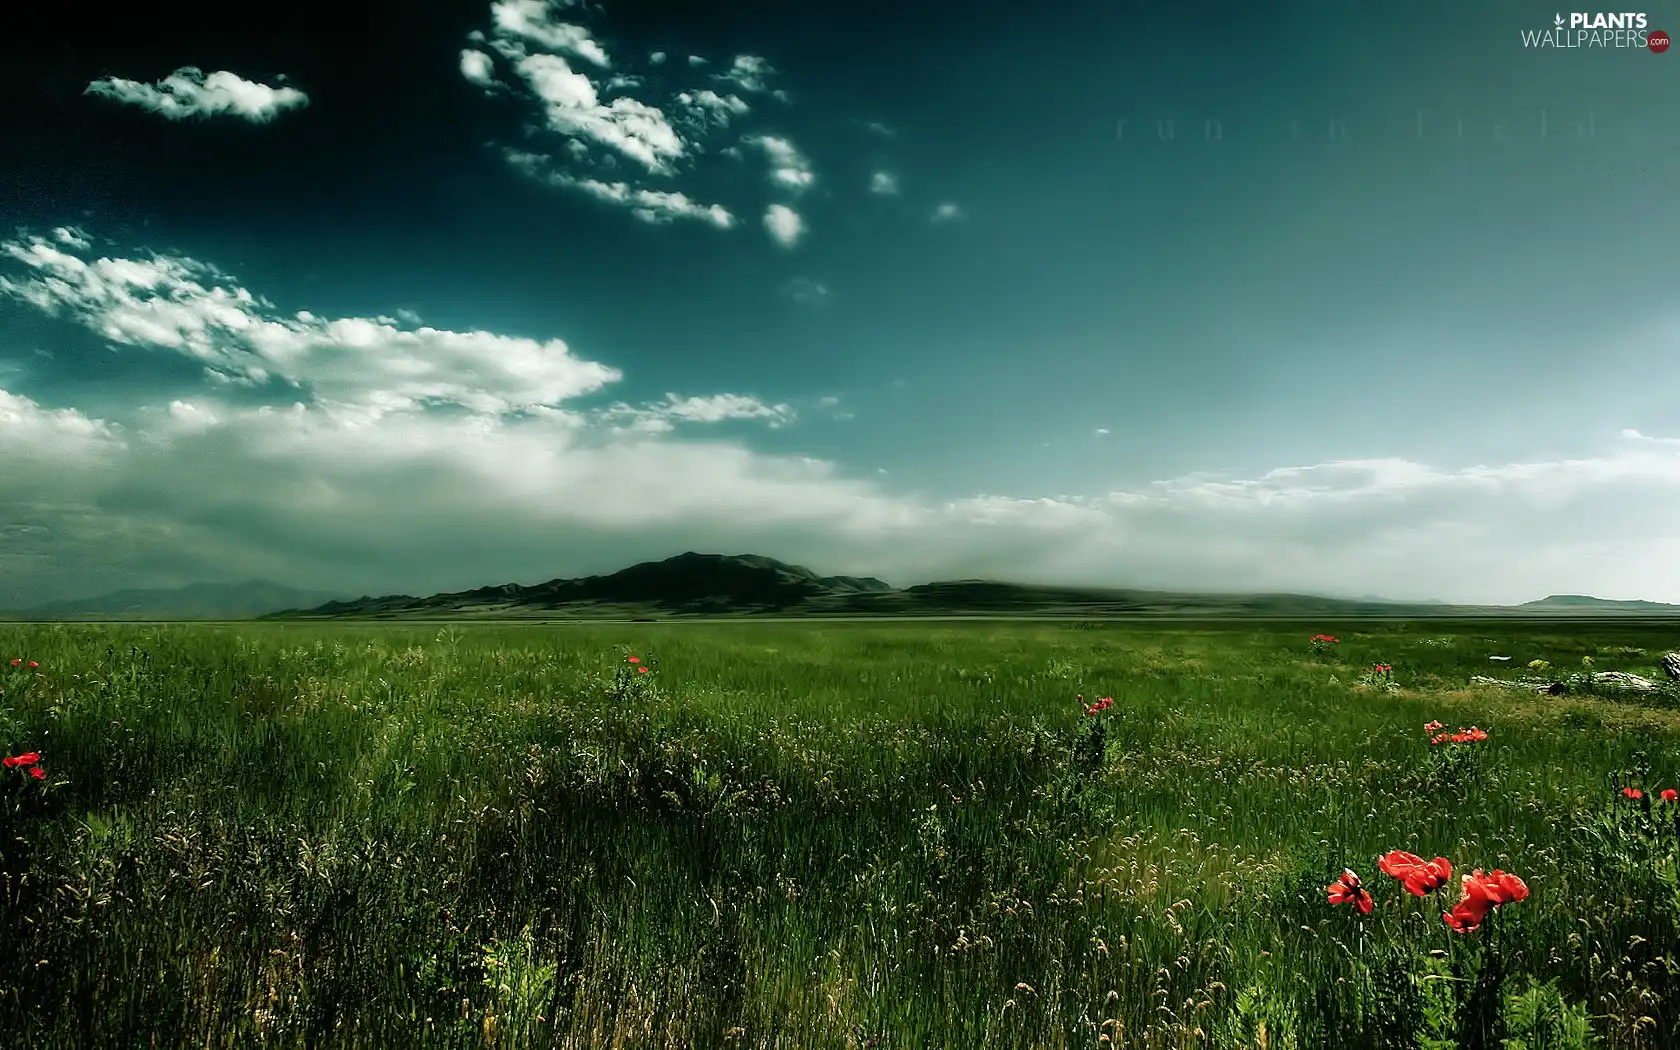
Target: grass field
[(827, 835)]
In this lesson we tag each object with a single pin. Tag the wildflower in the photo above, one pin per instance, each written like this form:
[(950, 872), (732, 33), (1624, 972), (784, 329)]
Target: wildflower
[(1328, 639), (37, 772), (1633, 793), (33, 665), (1482, 894), (1383, 668), (635, 659), (1476, 734), (1102, 704), (641, 670), (1669, 795), (16, 662), (1432, 727), (1419, 876), (26, 759), (1347, 888)]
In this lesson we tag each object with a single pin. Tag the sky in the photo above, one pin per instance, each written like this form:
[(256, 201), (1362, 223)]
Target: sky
[(1346, 299)]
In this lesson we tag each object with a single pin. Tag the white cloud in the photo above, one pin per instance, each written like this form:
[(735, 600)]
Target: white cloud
[(603, 122), (573, 107), (1634, 435), (806, 292), (533, 20), (659, 417), (710, 108), (784, 224), (371, 365), (947, 212), (651, 206), (471, 440), (748, 73), (187, 92), (1101, 431), (654, 206), (476, 67), (880, 129), (883, 184), (400, 457), (789, 168), (308, 494), (27, 429)]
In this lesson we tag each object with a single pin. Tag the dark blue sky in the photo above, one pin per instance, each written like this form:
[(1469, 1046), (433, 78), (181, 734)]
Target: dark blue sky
[(1332, 298)]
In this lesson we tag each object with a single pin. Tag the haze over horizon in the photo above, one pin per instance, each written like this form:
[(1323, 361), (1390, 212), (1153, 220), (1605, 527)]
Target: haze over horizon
[(1340, 302)]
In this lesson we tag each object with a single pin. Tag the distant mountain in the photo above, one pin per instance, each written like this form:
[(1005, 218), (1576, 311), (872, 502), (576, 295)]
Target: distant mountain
[(747, 584), (1584, 603), (198, 601), (689, 583)]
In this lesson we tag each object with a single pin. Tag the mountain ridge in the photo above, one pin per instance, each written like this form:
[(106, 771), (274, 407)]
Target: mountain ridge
[(193, 601), (693, 584), (746, 585)]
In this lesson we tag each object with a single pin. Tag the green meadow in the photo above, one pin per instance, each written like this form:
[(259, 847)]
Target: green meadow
[(828, 835)]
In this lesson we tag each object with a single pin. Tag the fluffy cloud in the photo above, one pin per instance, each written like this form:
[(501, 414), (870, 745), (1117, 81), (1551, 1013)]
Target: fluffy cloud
[(651, 206), (660, 417), (381, 455), (883, 184), (789, 168), (784, 225), (207, 490), (805, 291), (573, 107), (552, 64), (477, 67), (187, 92), (748, 73), (364, 366), (533, 20), (710, 108), (947, 212)]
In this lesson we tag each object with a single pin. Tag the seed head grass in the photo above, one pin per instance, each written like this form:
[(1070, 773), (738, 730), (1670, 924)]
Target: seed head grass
[(831, 835)]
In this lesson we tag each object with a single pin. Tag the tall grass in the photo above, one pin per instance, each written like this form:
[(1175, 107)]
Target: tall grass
[(823, 835)]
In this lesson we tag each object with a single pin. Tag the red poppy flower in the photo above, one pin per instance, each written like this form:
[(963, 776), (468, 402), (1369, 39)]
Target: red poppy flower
[(1347, 888), (1669, 795), (32, 663), (1431, 727), (1420, 876), (1476, 734), (641, 670), (1633, 793), (16, 662), (635, 659), (27, 759), (1482, 894), (38, 773)]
